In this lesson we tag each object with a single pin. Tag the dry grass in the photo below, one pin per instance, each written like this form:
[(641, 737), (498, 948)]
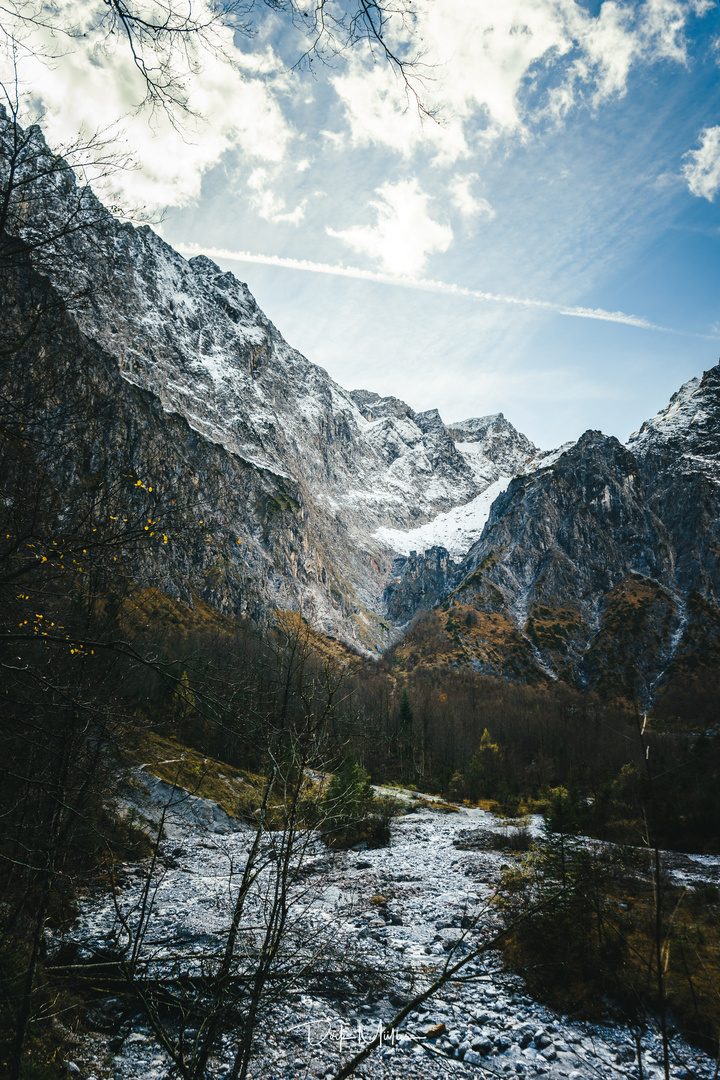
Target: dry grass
[(438, 806), (460, 634), (237, 791)]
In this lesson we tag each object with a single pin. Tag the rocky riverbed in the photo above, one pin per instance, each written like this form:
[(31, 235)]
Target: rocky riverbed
[(400, 911)]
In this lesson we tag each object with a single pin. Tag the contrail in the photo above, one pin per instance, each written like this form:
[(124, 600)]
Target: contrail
[(425, 285)]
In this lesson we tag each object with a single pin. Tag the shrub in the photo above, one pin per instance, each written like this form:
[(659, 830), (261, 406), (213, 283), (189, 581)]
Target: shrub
[(582, 925), (352, 814)]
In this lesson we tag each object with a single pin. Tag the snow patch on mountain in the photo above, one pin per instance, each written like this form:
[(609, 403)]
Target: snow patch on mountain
[(681, 411), (484, 470), (492, 446), (544, 459), (456, 531), (687, 427)]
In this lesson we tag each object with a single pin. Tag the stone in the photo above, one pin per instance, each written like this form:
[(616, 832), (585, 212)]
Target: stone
[(482, 1018), (482, 1045)]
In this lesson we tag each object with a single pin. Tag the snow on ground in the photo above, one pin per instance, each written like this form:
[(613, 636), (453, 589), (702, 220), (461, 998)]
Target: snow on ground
[(457, 530), (402, 908)]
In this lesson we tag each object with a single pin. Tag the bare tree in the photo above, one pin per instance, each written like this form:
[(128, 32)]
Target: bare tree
[(69, 526), (272, 944), (166, 39)]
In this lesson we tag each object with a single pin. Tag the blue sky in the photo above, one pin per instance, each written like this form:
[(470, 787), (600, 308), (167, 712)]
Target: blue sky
[(550, 248)]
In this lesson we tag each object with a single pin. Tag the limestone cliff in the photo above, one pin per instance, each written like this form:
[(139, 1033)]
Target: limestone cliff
[(605, 558), (194, 339), (596, 563)]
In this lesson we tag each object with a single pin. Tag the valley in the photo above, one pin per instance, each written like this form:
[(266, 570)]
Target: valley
[(364, 515), (402, 912), (249, 616)]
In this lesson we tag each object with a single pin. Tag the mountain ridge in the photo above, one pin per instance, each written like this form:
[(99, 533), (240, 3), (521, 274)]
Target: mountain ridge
[(195, 338), (361, 513)]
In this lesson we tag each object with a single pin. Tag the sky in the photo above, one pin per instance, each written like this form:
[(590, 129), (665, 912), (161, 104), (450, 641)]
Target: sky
[(542, 240)]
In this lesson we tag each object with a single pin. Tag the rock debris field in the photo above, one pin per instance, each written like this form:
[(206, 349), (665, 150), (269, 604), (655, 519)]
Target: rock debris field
[(400, 909)]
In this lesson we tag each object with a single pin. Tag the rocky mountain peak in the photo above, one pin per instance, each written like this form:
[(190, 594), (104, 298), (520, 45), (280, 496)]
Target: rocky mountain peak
[(496, 439), (359, 511), (688, 428), (430, 420), (338, 468), (477, 427), (374, 407)]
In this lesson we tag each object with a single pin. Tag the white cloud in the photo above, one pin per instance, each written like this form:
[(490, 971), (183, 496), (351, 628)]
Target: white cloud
[(666, 20), (702, 167), (379, 112), (610, 45), (91, 82), (405, 234), (272, 207), (621, 36), (469, 205), (269, 205), (485, 62)]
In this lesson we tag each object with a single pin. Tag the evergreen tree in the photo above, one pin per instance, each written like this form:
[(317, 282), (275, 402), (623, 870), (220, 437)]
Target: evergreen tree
[(406, 714), (348, 797), (405, 732)]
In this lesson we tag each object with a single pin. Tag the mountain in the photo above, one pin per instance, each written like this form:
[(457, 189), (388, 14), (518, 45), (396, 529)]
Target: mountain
[(325, 473), (687, 428), (462, 544), (600, 565)]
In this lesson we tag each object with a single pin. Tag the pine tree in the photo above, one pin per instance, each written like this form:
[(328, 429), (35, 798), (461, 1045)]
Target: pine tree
[(405, 729), (348, 796), (406, 714)]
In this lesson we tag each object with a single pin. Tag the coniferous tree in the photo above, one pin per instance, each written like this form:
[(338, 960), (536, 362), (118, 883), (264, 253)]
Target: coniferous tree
[(405, 734)]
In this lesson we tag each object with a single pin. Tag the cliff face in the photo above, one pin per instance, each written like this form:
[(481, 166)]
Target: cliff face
[(596, 563), (344, 466), (101, 450), (605, 560), (686, 430), (493, 439)]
